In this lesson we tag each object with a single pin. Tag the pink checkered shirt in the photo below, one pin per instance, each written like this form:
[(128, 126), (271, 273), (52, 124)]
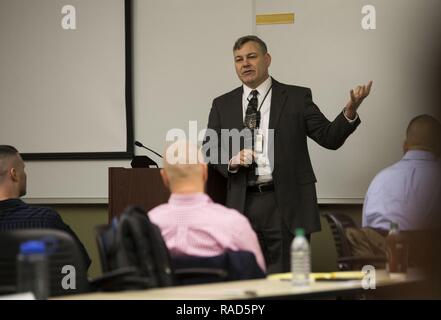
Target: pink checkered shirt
[(192, 224)]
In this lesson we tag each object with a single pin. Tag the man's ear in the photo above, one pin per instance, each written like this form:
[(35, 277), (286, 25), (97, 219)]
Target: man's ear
[(405, 147), (164, 178), (13, 174), (267, 59)]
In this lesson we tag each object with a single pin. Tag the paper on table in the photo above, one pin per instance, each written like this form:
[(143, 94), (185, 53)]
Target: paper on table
[(341, 275)]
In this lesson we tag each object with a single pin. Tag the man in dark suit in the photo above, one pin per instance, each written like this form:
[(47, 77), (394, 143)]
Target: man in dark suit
[(272, 182)]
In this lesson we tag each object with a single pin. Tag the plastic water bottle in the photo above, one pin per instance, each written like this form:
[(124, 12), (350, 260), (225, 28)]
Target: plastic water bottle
[(300, 259), (32, 269)]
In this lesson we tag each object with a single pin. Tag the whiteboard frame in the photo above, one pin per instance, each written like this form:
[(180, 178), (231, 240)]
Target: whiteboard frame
[(129, 153)]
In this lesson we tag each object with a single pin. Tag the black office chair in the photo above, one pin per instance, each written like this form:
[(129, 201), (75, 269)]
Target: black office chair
[(141, 255), (183, 270), (62, 250), (339, 222), (100, 234)]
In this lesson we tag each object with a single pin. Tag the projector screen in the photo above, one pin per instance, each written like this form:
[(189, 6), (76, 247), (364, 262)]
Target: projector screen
[(65, 90)]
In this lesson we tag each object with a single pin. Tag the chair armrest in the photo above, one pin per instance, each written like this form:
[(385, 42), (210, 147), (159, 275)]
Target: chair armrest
[(356, 263), (199, 275), (362, 259), (201, 272), (120, 279)]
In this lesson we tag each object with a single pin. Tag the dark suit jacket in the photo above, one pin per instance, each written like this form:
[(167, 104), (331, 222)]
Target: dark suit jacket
[(294, 117)]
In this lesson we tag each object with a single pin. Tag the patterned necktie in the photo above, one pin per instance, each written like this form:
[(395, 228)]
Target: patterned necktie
[(252, 116), (252, 121)]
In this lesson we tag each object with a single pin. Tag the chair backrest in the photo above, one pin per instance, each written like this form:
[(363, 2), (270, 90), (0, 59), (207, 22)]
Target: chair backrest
[(133, 241), (338, 222), (100, 234), (356, 247), (63, 250)]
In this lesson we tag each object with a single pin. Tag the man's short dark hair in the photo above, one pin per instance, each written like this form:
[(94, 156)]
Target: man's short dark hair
[(6, 150), (6, 153), (242, 40), (425, 131), (424, 119)]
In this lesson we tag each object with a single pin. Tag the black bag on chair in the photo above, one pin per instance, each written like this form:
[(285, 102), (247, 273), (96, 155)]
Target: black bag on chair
[(132, 240)]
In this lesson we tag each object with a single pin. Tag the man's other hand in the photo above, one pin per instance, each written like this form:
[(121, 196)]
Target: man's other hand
[(357, 96), (244, 158)]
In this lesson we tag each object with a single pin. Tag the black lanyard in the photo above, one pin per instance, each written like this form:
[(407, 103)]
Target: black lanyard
[(258, 109), (264, 98)]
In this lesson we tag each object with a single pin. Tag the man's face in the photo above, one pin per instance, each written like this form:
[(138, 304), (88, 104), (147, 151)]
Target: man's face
[(251, 64)]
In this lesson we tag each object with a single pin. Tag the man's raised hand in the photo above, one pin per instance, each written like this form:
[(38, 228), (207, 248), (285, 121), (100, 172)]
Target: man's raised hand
[(357, 96)]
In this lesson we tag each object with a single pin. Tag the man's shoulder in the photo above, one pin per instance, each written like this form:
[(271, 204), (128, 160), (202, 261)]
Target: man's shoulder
[(401, 168), (228, 95), (387, 175), (158, 210), (288, 87), (228, 214), (291, 87), (43, 212), (24, 209), (32, 215)]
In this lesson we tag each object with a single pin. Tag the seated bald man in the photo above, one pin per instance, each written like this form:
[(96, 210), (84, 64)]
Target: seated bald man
[(14, 213), (409, 191), (190, 222)]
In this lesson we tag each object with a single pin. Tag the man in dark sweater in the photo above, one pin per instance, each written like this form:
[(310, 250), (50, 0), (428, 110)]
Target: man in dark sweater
[(14, 213)]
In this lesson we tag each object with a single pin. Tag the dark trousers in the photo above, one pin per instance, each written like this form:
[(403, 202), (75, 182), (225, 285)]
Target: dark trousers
[(274, 237)]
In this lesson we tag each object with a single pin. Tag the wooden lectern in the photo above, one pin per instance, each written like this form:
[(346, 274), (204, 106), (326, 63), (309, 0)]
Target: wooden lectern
[(143, 187)]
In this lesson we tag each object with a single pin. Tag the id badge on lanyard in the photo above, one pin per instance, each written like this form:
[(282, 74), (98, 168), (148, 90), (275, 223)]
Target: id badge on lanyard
[(258, 144)]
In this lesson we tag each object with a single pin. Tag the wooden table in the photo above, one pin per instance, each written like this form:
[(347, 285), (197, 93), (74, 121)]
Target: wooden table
[(266, 289)]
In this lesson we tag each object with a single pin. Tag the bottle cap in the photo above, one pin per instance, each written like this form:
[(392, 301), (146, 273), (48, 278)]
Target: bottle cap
[(300, 232), (30, 247)]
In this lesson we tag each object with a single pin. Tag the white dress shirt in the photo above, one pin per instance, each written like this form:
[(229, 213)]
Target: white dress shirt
[(263, 169), (263, 166), (407, 193)]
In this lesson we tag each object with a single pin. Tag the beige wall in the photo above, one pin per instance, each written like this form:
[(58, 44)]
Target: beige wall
[(83, 218)]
